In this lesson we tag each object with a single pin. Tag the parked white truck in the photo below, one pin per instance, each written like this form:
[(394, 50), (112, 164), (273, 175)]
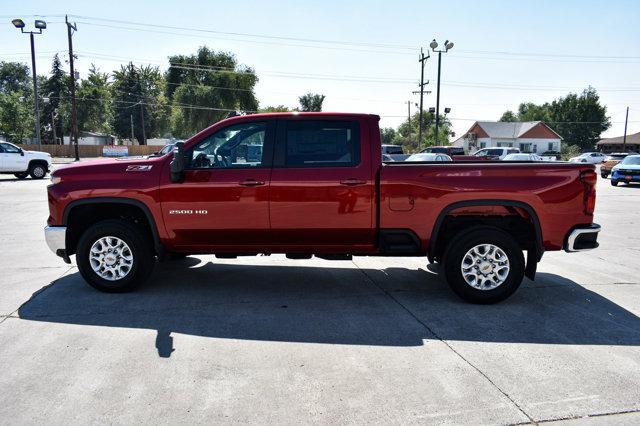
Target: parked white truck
[(22, 163)]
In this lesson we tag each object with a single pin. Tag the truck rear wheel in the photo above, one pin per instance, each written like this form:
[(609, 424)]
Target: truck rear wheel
[(484, 265), (114, 256)]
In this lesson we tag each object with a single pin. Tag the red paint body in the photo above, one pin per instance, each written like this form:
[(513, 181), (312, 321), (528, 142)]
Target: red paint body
[(312, 210)]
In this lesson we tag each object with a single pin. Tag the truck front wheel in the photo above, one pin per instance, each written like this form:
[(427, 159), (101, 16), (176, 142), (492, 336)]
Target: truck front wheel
[(114, 256), (484, 265), (37, 171)]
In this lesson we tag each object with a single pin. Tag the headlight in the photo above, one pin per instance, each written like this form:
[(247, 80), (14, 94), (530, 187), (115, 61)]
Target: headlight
[(55, 179)]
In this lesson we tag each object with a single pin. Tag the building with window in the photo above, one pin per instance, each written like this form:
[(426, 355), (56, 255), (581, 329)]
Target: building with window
[(527, 136), (620, 144)]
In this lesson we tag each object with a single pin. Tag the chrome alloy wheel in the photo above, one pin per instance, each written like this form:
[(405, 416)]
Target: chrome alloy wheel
[(485, 267), (111, 258), (38, 171)]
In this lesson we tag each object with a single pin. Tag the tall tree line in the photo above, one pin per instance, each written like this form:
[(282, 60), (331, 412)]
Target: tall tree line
[(196, 91)]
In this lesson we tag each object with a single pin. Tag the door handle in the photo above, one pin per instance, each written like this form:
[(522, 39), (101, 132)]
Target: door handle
[(251, 182), (352, 182)]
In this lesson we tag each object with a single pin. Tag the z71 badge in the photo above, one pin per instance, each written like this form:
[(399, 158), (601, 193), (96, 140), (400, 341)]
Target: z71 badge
[(139, 168)]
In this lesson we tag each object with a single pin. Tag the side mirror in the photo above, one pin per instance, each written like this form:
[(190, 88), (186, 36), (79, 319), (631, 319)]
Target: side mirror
[(22, 152), (177, 163)]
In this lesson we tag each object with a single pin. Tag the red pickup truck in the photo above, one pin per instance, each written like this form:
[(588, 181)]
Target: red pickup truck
[(308, 184)]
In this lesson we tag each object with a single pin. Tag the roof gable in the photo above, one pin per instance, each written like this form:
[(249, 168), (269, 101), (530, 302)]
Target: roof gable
[(514, 130)]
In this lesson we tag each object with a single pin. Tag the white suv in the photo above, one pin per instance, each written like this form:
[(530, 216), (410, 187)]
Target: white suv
[(21, 163), (496, 153)]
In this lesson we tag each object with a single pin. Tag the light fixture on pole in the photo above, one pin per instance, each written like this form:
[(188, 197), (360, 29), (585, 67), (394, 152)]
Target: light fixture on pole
[(448, 45), (40, 25)]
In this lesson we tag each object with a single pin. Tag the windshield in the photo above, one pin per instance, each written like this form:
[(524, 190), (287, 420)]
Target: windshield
[(436, 149), (633, 160)]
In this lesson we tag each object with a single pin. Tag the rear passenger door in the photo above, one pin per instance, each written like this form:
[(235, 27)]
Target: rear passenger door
[(322, 188)]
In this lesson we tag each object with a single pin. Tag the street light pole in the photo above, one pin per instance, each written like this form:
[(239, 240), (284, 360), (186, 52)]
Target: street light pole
[(36, 104), (40, 25), (448, 45), (438, 97)]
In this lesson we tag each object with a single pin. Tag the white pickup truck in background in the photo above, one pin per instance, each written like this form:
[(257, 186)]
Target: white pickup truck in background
[(22, 163)]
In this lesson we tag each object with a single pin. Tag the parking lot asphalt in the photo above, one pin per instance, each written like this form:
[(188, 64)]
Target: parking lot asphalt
[(272, 340)]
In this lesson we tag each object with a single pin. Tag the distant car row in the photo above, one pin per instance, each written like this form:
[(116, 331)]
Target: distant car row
[(395, 153)]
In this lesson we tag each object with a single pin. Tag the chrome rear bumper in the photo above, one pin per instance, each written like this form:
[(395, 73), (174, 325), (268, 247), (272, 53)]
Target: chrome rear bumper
[(56, 237), (583, 238)]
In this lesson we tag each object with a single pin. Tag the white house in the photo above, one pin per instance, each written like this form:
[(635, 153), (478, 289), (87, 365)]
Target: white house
[(528, 136)]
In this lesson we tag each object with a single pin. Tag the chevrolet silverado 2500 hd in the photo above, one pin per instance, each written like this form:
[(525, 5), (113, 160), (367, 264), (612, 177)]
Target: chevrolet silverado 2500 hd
[(308, 184)]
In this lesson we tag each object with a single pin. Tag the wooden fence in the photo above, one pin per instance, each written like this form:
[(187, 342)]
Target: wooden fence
[(87, 150)]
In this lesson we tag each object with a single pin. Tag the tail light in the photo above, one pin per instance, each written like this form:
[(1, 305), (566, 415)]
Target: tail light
[(589, 179)]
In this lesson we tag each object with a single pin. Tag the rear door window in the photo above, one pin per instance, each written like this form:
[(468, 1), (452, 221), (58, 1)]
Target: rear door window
[(320, 143)]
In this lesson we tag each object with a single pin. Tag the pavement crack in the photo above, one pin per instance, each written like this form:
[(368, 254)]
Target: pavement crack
[(587, 416), (430, 330)]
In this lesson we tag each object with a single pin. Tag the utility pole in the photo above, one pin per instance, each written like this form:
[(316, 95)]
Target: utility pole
[(131, 117), (144, 136), (409, 116), (624, 138), (53, 127), (74, 111), (422, 60)]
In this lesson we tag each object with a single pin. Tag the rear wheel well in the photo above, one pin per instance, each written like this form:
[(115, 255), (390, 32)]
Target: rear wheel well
[(520, 228), (82, 216)]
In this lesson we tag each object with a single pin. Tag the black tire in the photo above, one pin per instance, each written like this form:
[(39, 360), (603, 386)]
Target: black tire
[(614, 182), (140, 247), (604, 175), (37, 170), (464, 242), (22, 175)]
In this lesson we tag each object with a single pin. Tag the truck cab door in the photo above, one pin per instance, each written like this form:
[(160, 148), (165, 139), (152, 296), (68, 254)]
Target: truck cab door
[(322, 186), (222, 204), (12, 158)]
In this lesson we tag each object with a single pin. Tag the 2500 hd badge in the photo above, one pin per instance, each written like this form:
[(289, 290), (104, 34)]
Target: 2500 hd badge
[(188, 212)]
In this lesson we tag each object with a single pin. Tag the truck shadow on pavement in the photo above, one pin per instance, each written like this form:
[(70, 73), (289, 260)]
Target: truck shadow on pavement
[(334, 305)]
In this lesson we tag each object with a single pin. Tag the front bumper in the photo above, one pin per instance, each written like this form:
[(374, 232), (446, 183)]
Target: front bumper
[(583, 238), (56, 237), (624, 177)]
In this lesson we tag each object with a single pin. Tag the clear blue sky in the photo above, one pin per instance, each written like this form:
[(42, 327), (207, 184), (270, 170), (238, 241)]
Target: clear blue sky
[(531, 50)]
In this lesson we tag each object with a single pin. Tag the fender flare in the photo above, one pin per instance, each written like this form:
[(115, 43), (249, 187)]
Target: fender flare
[(122, 200), (539, 247)]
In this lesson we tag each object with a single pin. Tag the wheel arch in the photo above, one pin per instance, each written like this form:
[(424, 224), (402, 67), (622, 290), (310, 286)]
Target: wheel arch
[(435, 233), (129, 202)]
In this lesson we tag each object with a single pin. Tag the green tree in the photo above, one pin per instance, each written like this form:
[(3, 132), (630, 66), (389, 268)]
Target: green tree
[(138, 96), (204, 87), (14, 77), (16, 101), (509, 116), (16, 117), (279, 108), (407, 133), (56, 98), (95, 102), (579, 119), (387, 134), (311, 102)]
